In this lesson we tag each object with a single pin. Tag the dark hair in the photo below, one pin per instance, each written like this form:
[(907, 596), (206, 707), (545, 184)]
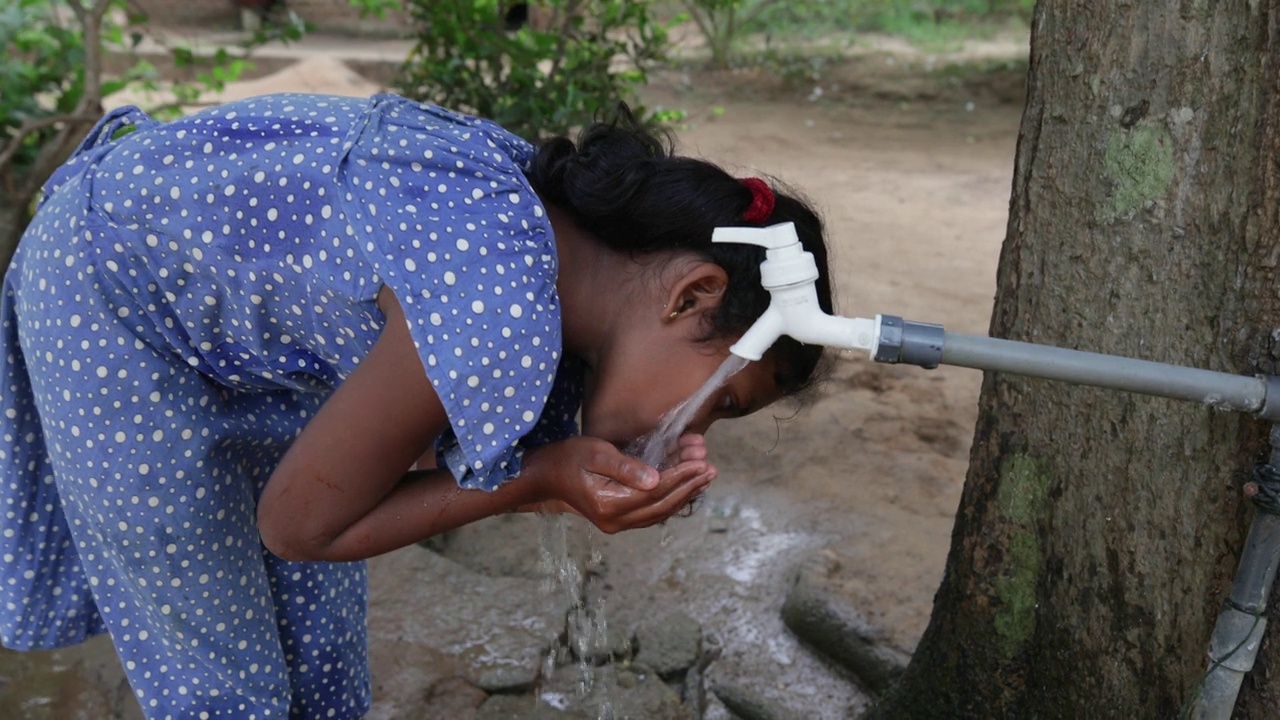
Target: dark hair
[(622, 183)]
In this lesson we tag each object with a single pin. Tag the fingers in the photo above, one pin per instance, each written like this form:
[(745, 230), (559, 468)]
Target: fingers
[(691, 439), (680, 496), (632, 472), (621, 492), (616, 507), (692, 447), (636, 474), (688, 447), (684, 472)]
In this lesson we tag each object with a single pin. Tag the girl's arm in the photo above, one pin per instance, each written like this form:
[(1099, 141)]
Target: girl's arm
[(341, 492)]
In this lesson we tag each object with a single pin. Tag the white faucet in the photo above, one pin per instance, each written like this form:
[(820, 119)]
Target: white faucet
[(789, 273)]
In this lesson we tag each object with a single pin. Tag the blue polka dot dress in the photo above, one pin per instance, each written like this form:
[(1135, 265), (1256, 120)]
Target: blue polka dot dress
[(186, 298)]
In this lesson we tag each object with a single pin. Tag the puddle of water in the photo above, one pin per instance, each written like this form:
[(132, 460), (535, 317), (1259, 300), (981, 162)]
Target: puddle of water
[(84, 682), (729, 566)]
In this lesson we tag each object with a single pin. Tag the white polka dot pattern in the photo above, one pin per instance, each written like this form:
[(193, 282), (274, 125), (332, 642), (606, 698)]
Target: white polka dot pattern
[(184, 301), (422, 188)]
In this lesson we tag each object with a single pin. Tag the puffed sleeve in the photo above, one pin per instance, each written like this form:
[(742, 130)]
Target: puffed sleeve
[(559, 416), (441, 207)]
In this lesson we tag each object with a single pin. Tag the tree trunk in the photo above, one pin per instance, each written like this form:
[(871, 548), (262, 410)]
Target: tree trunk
[(21, 188), (13, 220), (1098, 531)]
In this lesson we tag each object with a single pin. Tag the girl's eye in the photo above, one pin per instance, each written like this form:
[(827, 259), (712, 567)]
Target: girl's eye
[(728, 404)]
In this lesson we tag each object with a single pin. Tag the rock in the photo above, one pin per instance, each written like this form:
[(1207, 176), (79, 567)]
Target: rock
[(516, 707), (826, 621), (431, 618), (513, 677), (693, 688), (404, 674), (452, 698), (615, 691), (749, 706), (500, 546), (594, 640), (670, 645), (647, 697), (82, 682)]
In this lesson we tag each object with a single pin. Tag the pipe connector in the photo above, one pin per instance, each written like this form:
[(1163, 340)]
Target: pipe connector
[(904, 341)]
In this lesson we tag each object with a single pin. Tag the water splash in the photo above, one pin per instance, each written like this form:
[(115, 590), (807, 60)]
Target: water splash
[(585, 637), (654, 447)]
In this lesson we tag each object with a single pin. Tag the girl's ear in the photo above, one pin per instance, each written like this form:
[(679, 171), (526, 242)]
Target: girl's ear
[(698, 289)]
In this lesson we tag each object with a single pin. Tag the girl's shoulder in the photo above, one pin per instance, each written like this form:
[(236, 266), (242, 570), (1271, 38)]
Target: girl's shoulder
[(440, 206)]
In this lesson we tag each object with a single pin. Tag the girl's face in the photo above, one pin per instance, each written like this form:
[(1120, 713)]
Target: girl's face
[(639, 326), (627, 398)]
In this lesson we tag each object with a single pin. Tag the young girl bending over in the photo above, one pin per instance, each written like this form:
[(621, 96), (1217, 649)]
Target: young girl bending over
[(228, 337)]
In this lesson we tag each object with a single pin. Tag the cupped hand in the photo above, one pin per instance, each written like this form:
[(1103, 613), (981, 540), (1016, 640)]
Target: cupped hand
[(614, 491)]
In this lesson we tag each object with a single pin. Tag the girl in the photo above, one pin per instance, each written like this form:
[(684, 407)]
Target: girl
[(227, 337)]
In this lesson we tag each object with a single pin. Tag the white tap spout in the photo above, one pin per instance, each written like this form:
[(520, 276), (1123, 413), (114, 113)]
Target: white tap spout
[(833, 331), (795, 311), (761, 336)]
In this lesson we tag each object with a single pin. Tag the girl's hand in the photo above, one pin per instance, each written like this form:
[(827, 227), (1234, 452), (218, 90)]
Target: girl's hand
[(689, 448), (614, 491)]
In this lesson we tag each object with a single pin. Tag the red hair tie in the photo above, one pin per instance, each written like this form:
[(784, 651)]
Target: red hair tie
[(762, 201)]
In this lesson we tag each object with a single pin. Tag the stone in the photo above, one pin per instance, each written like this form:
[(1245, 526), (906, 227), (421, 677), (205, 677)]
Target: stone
[(516, 707), (825, 621), (593, 639), (514, 677), (452, 698), (670, 644), (500, 546), (430, 617), (748, 705), (615, 691)]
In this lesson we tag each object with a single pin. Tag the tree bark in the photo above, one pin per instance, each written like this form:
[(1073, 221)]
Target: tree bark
[(1098, 531), (13, 220)]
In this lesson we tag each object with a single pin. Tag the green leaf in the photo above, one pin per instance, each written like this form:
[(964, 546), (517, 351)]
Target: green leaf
[(535, 82)]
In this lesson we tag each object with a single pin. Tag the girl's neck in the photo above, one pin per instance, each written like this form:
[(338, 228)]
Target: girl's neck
[(598, 290)]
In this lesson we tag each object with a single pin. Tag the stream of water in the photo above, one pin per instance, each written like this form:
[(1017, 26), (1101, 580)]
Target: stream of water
[(587, 630), (657, 445)]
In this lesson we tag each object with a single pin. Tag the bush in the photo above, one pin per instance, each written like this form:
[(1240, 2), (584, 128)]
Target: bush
[(724, 23), (52, 86), (541, 79)]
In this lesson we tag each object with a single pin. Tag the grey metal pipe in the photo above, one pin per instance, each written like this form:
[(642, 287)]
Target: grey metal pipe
[(1237, 635), (1221, 390)]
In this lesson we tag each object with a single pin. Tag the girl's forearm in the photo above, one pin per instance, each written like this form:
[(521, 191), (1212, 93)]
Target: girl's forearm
[(423, 504)]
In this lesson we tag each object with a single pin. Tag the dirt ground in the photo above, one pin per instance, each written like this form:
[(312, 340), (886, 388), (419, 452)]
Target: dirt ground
[(913, 177), (912, 170), (910, 160)]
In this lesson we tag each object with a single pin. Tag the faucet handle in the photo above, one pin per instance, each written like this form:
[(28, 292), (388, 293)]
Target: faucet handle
[(774, 237), (786, 262)]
